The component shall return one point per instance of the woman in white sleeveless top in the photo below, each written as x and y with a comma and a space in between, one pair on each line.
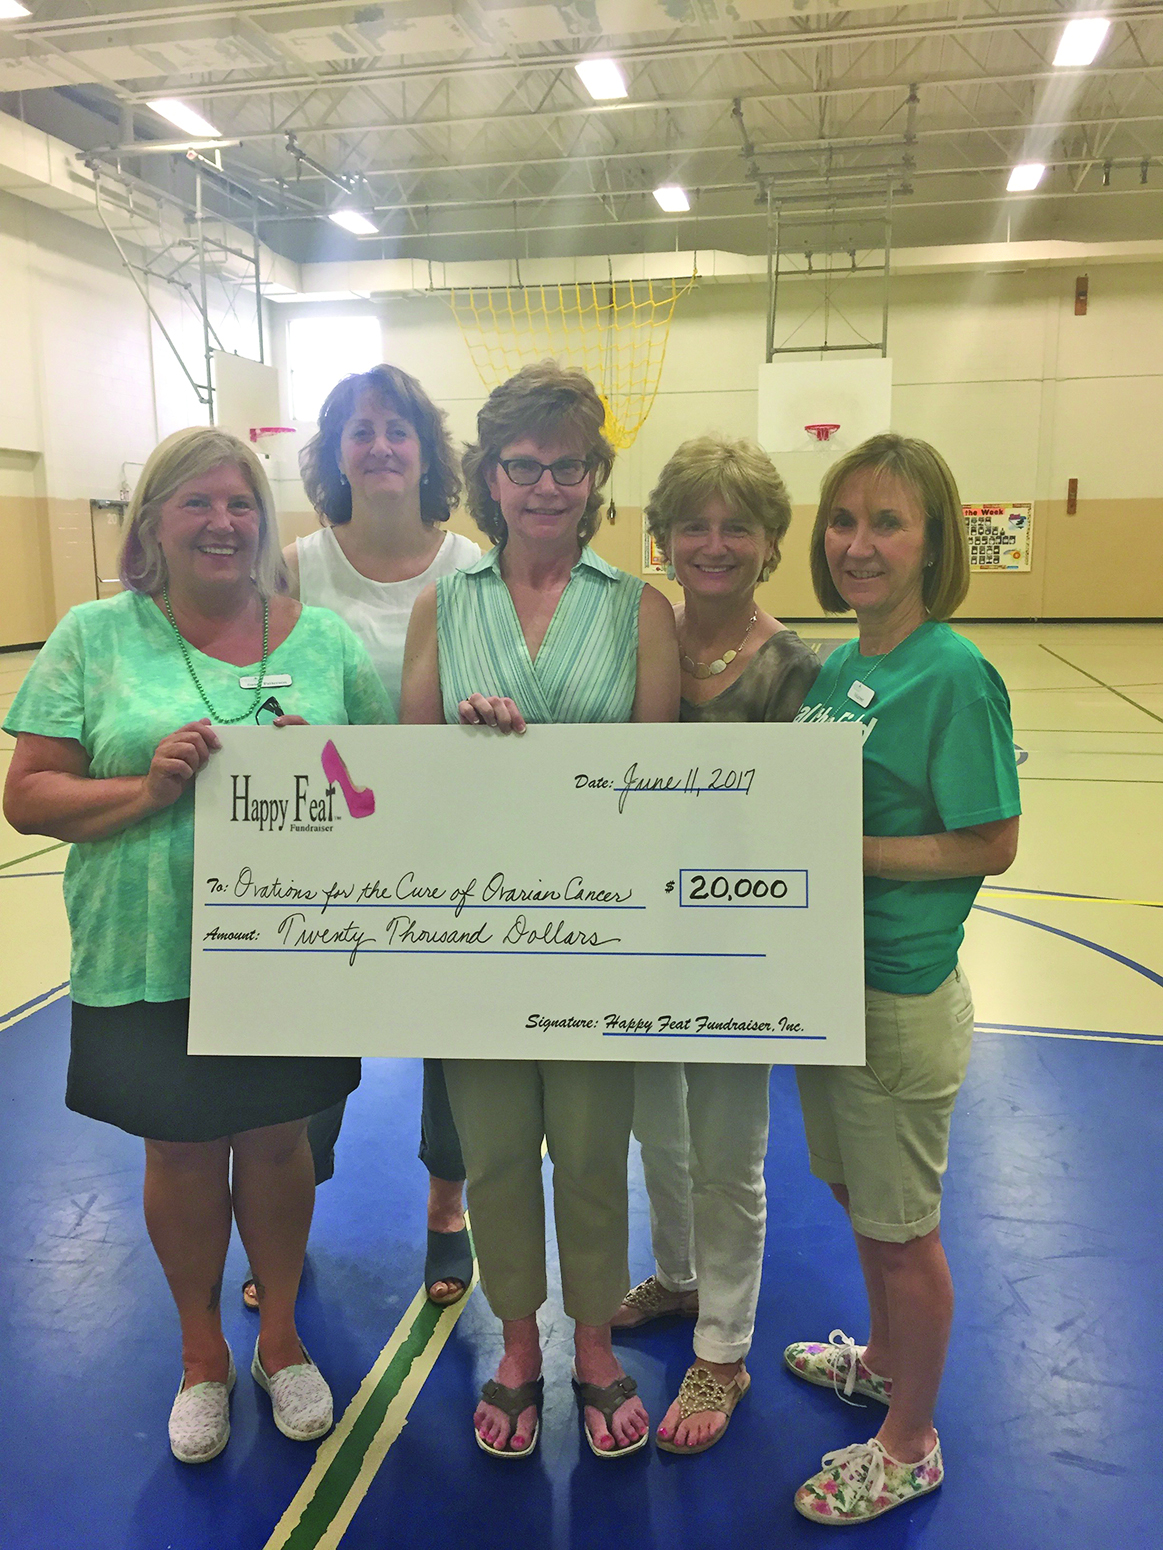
381, 473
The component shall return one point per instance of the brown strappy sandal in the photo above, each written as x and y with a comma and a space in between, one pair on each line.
511, 1402
607, 1400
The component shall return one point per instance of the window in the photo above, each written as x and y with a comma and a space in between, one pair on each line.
323, 348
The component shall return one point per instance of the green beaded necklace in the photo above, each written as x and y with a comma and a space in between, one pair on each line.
225, 721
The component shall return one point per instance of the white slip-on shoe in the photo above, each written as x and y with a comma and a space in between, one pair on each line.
300, 1398
200, 1419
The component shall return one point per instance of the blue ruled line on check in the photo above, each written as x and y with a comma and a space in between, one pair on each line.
407, 907
470, 952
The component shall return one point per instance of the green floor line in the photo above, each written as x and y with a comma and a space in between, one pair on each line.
32, 855
343, 1470
1108, 687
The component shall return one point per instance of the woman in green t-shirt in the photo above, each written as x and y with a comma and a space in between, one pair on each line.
98, 763
940, 813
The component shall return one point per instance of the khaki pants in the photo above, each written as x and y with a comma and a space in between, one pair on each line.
882, 1129
583, 1109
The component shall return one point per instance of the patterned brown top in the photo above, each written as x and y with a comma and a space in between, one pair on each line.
770, 688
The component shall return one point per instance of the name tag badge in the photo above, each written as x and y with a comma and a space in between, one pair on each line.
271, 681
859, 692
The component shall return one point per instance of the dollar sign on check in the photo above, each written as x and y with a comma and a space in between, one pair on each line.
670, 887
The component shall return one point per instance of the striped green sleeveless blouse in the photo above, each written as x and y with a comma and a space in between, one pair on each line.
587, 666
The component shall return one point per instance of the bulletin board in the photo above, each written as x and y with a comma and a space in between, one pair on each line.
1000, 535
653, 559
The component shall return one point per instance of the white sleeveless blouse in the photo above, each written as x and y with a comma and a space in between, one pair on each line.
378, 611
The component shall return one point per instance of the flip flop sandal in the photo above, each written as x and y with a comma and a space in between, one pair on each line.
607, 1400
700, 1391
449, 1258
511, 1402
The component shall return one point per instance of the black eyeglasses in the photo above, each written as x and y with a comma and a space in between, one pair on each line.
527, 470
267, 711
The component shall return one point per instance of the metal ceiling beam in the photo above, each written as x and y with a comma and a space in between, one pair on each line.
752, 213
792, 185
662, 105
220, 10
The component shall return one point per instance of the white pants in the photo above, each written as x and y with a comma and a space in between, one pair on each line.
703, 1132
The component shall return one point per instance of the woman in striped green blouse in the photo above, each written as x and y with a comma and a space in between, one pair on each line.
543, 630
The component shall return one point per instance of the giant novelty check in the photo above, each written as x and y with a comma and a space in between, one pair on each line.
677, 892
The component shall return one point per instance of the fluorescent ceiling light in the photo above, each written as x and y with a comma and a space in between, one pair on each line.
185, 118
1025, 177
354, 222
1081, 41
602, 78
671, 198
11, 9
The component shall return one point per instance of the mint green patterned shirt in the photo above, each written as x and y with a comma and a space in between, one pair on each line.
111, 677
586, 668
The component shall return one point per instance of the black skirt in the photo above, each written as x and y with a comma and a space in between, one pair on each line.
128, 1066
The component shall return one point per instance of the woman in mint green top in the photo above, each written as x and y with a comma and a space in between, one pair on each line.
542, 630
940, 813
98, 762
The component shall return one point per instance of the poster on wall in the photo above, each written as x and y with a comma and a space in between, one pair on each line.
999, 535
653, 559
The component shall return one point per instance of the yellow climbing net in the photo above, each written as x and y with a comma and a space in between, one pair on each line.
616, 331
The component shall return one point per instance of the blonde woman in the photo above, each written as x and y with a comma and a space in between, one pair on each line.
941, 812
719, 512
113, 723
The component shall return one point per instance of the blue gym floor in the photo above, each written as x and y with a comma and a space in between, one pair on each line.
1048, 1414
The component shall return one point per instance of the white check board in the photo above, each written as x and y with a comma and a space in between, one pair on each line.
676, 892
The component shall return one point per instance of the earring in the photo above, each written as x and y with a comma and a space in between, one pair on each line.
424, 479
669, 571
342, 477
765, 573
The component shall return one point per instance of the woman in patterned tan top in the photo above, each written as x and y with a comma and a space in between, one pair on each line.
719, 512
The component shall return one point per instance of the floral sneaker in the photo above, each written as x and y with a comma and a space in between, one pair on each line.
838, 1365
858, 1483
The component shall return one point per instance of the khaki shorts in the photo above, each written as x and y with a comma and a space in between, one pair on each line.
882, 1129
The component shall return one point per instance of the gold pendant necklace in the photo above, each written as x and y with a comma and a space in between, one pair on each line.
720, 664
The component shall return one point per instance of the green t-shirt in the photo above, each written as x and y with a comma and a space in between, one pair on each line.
938, 755
111, 677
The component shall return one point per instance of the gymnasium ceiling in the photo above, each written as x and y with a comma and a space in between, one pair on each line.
464, 128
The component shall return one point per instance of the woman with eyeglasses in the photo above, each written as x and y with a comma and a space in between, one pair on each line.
543, 630
382, 476
113, 723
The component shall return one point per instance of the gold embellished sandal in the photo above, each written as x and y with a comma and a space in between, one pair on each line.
651, 1300
700, 1390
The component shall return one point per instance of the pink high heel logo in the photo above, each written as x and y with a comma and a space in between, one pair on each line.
361, 800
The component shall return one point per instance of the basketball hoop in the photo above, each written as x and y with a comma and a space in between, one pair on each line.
822, 432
